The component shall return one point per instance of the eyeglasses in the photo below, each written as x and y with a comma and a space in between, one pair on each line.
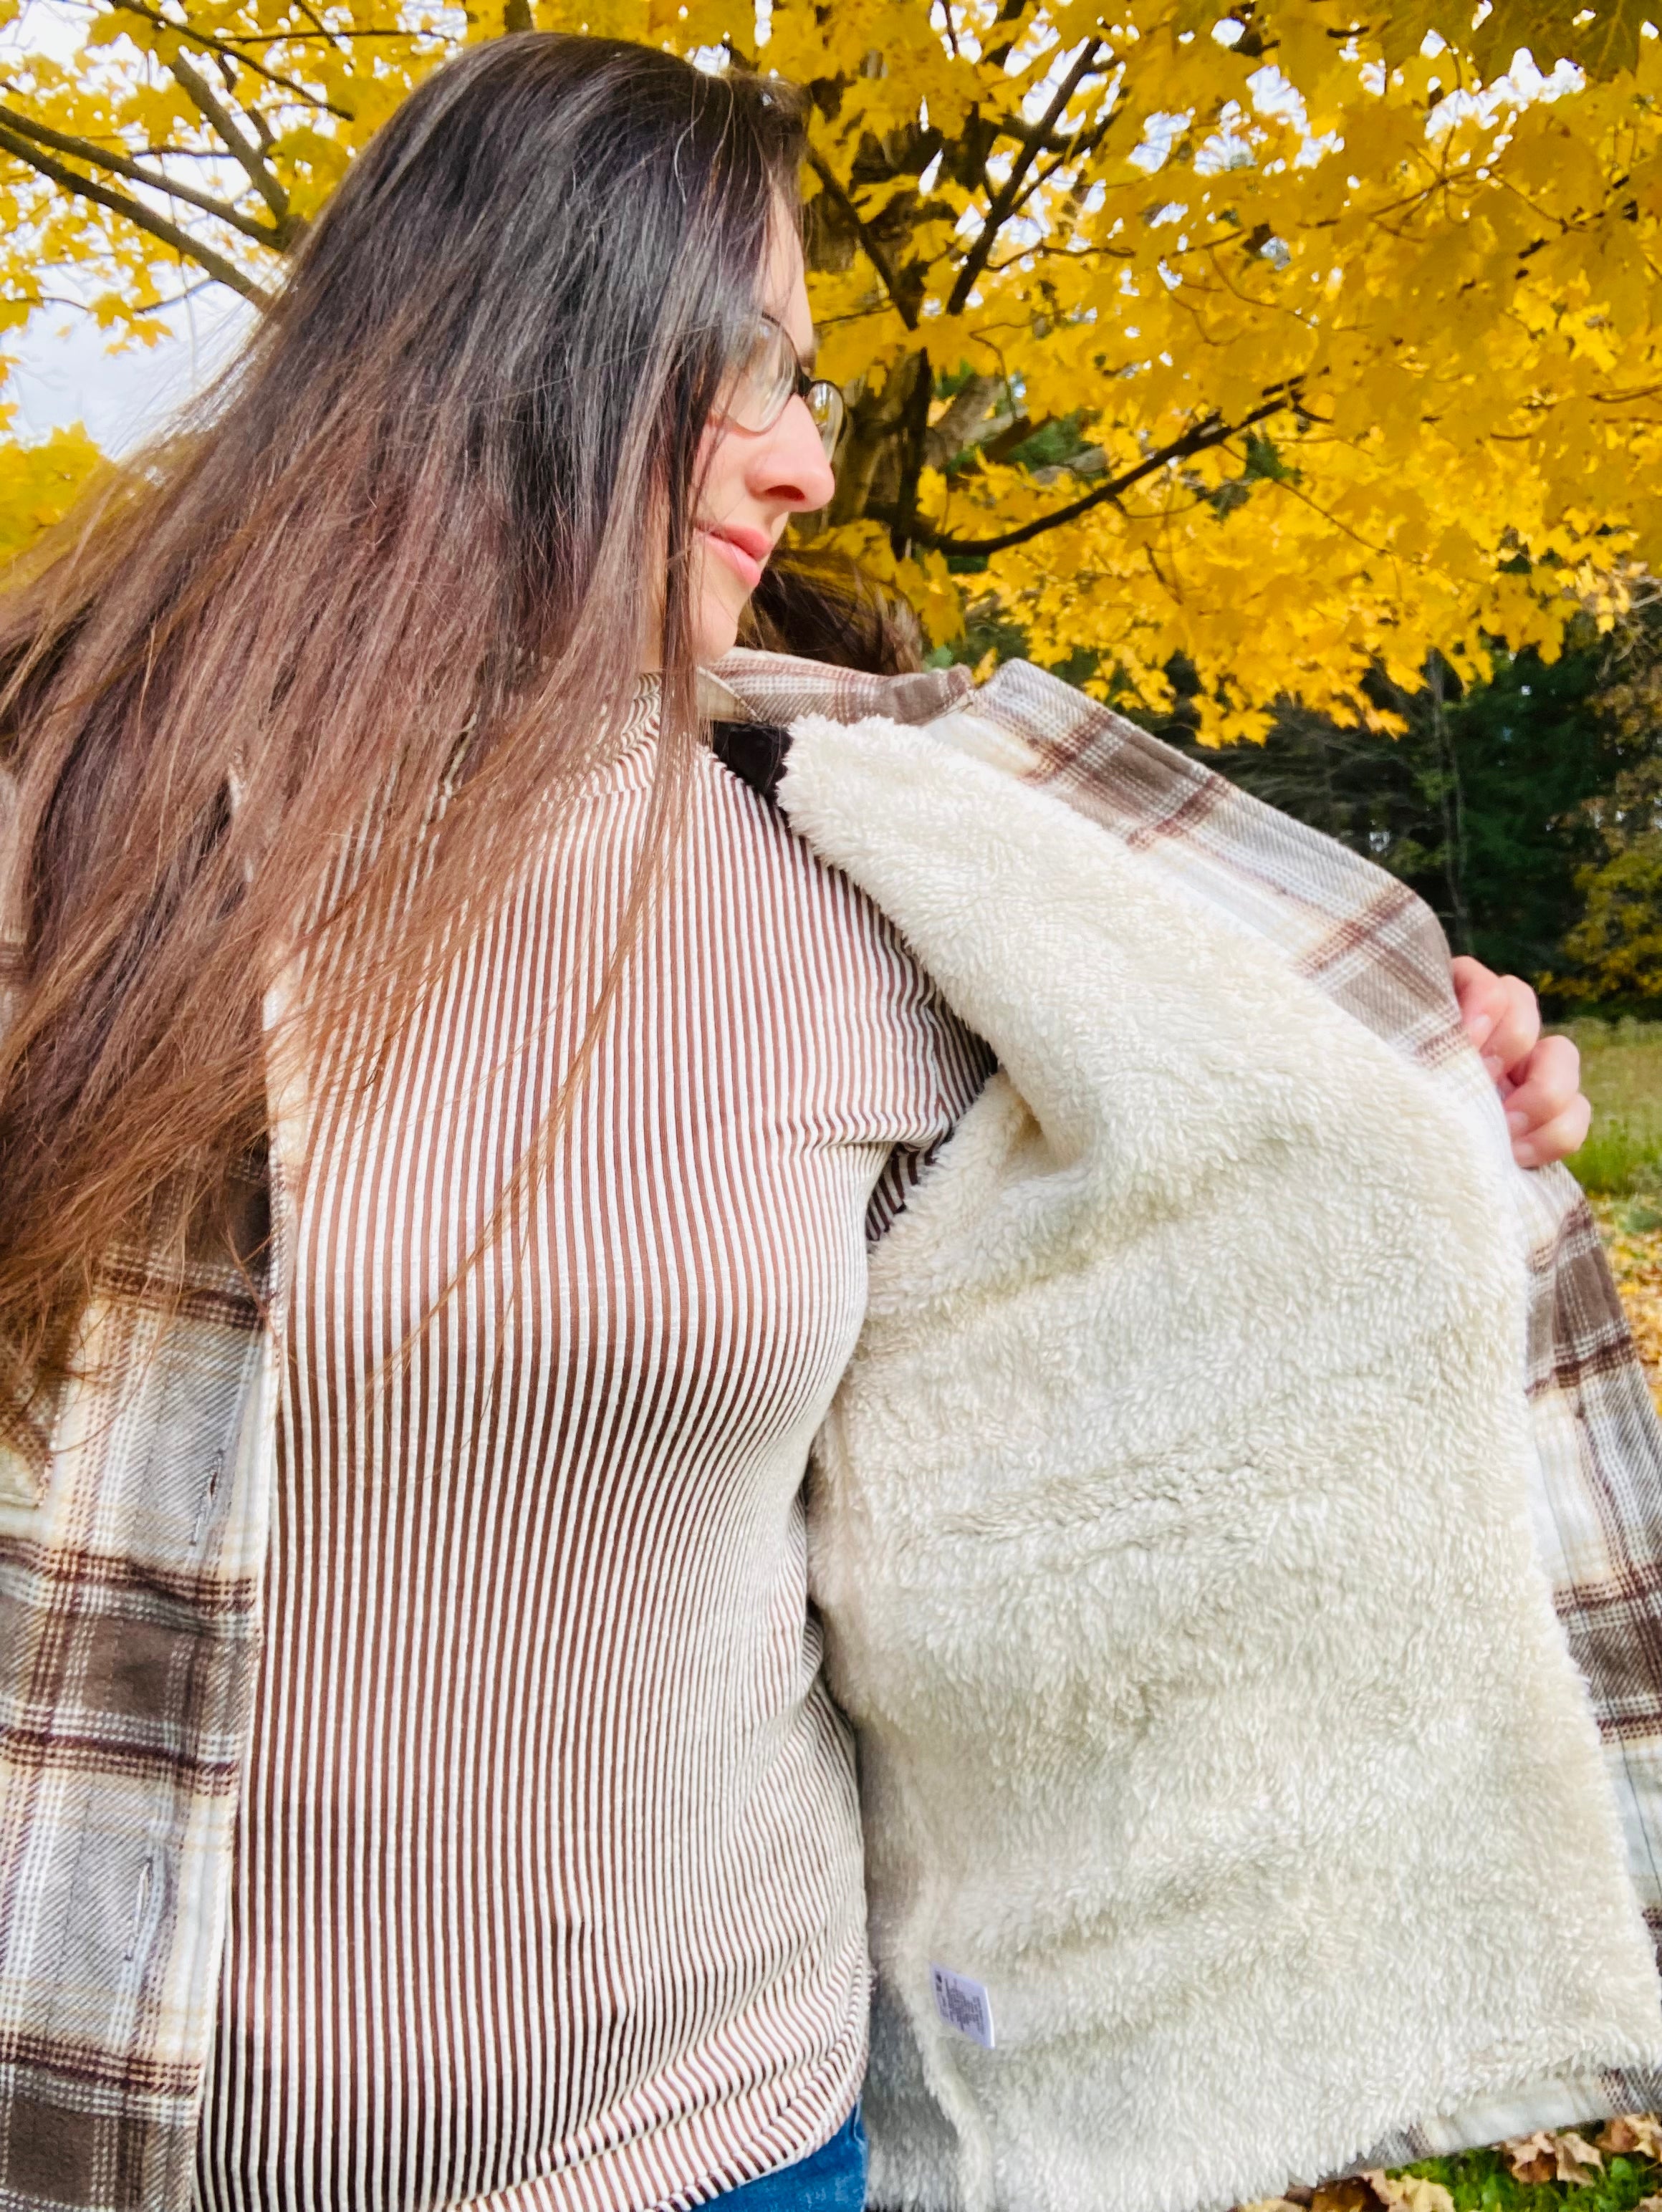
768, 377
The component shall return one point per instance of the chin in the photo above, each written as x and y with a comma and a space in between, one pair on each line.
717, 633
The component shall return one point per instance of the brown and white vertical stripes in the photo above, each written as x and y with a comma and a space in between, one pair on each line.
547, 1885
131, 1567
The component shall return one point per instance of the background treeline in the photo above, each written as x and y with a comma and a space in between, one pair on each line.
1527, 811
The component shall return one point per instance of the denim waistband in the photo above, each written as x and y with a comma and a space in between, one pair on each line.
830, 2179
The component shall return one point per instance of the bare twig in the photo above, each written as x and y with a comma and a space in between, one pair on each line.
304, 37
161, 307
874, 249
134, 211
1200, 440
1005, 199
122, 165
233, 52
246, 150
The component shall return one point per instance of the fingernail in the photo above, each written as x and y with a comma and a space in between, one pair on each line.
1524, 1155
1481, 1030
1494, 1064
1517, 1123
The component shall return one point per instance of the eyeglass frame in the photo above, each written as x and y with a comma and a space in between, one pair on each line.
801, 386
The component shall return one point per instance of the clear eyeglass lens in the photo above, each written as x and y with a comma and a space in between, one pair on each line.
761, 389
763, 386
826, 405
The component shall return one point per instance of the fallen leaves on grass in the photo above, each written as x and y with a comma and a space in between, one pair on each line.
1560, 2170
1549, 2155
1373, 2190
1352, 2192
1633, 2135
1406, 2192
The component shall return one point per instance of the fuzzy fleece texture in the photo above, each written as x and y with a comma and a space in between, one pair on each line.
1171, 1530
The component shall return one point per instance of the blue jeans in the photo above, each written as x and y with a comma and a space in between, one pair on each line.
830, 2179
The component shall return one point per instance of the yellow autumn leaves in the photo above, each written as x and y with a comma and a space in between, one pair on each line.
1332, 331
40, 484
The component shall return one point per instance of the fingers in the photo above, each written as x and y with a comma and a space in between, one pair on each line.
1478, 990
1517, 1034
1546, 1113
1555, 1140
1500, 1014
1539, 1079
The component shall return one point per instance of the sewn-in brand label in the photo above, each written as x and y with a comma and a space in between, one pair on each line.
962, 2004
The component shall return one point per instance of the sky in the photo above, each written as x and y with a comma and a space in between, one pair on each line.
66, 371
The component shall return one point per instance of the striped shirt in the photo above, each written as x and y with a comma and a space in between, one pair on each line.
547, 1888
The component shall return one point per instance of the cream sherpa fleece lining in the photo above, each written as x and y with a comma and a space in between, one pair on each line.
1172, 1531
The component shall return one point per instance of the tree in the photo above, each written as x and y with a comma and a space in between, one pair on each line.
40, 484
1292, 339
1612, 957
1489, 801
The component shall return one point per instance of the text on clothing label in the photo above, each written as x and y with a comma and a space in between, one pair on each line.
964, 2005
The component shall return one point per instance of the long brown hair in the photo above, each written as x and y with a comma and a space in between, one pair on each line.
400, 553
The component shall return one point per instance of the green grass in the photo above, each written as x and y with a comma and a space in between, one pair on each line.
1621, 1073
1479, 2181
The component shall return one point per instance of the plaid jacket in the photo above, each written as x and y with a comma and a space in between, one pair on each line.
131, 1553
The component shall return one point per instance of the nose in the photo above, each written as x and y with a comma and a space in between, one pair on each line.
789, 465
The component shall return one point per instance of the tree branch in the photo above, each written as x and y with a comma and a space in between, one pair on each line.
246, 151
1068, 153
161, 306
302, 37
122, 165
133, 211
1079, 148
959, 419
996, 213
1200, 440
1028, 134
915, 428
873, 251
231, 52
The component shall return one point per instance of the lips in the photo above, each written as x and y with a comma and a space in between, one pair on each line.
745, 549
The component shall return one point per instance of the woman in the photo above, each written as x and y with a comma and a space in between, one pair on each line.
360, 801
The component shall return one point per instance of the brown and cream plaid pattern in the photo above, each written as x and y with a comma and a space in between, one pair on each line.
129, 1624
1376, 949
130, 1575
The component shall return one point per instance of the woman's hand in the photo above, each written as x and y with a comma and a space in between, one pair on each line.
1539, 1079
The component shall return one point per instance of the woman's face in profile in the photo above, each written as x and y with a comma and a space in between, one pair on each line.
755, 480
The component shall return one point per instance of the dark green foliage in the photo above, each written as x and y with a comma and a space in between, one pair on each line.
1478, 804
1520, 757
